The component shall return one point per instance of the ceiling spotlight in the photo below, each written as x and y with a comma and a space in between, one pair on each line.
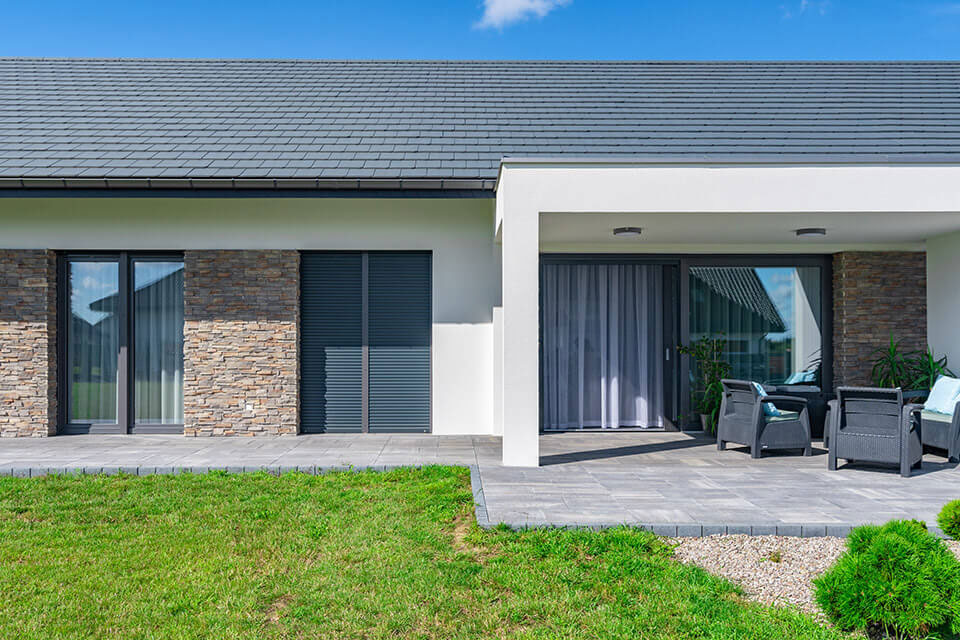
808, 233
627, 231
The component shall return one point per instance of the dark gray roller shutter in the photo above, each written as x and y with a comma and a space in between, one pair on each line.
331, 342
400, 324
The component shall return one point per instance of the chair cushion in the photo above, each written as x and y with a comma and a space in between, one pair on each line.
801, 376
768, 408
784, 416
936, 417
943, 396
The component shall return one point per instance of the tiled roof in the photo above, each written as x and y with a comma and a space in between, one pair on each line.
233, 119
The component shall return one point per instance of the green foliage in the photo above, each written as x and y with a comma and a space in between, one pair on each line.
949, 519
928, 368
894, 581
893, 367
393, 555
711, 368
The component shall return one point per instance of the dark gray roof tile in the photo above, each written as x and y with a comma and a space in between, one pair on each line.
387, 119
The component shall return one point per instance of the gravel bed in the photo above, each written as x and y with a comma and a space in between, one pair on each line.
774, 570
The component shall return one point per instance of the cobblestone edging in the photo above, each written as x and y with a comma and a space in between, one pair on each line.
671, 530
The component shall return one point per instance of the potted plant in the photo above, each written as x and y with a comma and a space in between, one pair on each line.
913, 371
711, 368
893, 367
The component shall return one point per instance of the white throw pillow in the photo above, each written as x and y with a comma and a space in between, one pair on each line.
944, 395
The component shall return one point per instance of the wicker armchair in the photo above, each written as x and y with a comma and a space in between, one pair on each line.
940, 431
743, 421
873, 425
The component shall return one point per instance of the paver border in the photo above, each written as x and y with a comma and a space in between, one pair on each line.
671, 530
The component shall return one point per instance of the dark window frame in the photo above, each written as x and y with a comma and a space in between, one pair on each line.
126, 423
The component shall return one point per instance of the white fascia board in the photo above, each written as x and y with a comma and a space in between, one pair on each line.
632, 187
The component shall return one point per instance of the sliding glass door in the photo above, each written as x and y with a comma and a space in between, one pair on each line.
610, 324
157, 309
769, 317
123, 353
607, 335
93, 339
772, 314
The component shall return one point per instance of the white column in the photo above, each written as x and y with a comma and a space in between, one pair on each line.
943, 297
521, 352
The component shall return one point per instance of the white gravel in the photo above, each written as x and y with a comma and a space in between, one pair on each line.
773, 570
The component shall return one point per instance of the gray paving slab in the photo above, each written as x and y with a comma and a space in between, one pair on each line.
661, 481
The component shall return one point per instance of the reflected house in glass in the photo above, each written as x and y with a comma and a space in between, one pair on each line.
157, 339
769, 316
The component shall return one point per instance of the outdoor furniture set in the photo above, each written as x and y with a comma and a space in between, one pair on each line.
860, 424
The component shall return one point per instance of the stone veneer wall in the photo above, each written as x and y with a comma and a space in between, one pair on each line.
875, 294
28, 343
241, 323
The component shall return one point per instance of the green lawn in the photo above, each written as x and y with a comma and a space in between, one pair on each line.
347, 555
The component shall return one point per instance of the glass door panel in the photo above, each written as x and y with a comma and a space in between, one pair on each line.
770, 317
605, 334
93, 339
157, 307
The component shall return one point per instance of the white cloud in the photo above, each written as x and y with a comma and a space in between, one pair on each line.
498, 14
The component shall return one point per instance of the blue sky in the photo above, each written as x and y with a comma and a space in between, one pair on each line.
486, 29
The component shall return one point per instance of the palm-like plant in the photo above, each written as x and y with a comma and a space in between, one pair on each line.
928, 368
712, 368
917, 370
893, 366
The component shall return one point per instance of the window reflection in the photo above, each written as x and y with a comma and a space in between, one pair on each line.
770, 317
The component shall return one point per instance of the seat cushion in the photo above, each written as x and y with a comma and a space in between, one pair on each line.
943, 396
784, 416
936, 417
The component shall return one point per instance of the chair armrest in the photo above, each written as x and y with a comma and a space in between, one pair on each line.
911, 416
800, 404
832, 426
955, 423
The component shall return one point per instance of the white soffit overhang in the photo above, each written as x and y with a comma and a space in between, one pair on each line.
683, 205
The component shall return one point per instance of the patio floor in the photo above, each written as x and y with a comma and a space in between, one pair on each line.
673, 483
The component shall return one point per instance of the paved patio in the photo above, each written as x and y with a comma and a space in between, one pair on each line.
672, 483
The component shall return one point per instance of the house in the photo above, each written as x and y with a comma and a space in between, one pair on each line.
243, 247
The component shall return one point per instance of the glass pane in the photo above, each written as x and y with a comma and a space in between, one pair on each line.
770, 318
158, 342
92, 341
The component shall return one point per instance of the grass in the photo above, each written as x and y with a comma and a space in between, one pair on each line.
346, 555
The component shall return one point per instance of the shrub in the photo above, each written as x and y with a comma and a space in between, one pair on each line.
949, 519
895, 581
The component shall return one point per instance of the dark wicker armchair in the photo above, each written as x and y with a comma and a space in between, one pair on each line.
742, 420
873, 425
940, 431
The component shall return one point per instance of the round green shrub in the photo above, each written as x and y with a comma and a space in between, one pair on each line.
949, 519
894, 581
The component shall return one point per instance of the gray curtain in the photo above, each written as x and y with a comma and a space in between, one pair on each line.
158, 342
602, 346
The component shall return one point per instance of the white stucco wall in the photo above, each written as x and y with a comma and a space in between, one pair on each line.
466, 262
943, 296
